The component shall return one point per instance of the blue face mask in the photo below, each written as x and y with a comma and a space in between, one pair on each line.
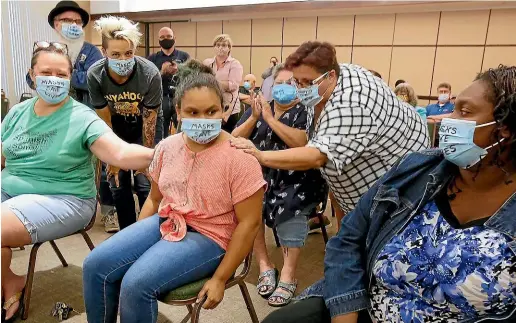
309, 96
456, 141
52, 89
71, 31
247, 86
443, 98
122, 67
202, 131
284, 93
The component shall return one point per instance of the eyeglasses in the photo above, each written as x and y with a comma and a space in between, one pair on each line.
223, 45
71, 21
40, 45
306, 84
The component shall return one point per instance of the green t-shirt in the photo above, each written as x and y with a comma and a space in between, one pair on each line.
50, 155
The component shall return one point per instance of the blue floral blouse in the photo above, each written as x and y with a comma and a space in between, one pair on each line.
433, 272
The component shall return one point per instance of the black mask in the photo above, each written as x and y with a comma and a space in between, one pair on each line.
167, 43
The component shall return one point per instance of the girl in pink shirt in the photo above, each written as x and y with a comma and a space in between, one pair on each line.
200, 219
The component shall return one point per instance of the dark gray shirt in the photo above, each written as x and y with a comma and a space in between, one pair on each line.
126, 101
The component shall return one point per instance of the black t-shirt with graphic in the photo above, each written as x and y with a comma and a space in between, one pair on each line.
126, 101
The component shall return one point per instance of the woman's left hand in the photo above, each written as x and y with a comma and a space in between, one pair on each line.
247, 146
213, 290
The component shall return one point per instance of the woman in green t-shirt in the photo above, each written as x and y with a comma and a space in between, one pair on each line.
48, 178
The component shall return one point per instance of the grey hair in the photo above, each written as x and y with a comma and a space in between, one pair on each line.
278, 68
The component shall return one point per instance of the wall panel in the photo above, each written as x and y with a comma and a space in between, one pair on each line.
463, 27
298, 30
375, 58
337, 30
502, 27
414, 65
243, 54
457, 66
260, 60
374, 29
185, 33
416, 28
154, 30
267, 31
206, 32
495, 56
239, 30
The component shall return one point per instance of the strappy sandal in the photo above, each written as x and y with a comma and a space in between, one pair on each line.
269, 280
278, 298
18, 297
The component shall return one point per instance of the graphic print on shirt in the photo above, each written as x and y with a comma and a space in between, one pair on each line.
28, 144
125, 104
431, 272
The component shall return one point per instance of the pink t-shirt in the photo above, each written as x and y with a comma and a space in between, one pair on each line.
231, 71
201, 189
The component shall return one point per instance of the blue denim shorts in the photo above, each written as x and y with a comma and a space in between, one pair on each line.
50, 217
293, 232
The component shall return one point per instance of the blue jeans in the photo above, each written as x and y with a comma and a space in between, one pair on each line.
135, 267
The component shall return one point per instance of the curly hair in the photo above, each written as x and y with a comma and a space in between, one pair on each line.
501, 92
194, 75
408, 90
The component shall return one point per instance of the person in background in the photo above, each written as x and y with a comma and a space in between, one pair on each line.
406, 93
398, 82
248, 88
433, 240
188, 230
291, 196
228, 72
444, 106
354, 137
166, 60
126, 91
270, 70
68, 20
48, 174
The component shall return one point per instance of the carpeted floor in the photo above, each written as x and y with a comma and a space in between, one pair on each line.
54, 283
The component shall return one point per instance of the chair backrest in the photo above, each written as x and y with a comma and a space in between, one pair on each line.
98, 173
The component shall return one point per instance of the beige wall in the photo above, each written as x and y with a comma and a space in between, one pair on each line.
422, 48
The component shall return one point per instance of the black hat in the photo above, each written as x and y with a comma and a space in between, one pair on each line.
63, 6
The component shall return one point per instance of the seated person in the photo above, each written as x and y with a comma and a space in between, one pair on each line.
126, 91
48, 176
188, 229
248, 88
433, 240
444, 107
291, 196
405, 92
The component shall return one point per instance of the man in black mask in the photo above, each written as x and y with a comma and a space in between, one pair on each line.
167, 60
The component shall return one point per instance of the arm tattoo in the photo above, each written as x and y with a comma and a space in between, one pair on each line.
149, 126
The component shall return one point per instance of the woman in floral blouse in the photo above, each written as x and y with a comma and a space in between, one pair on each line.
434, 240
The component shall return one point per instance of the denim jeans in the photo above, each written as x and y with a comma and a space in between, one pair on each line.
123, 195
135, 267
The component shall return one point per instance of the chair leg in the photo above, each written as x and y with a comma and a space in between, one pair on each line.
58, 253
320, 216
189, 315
88, 240
196, 312
248, 301
276, 237
30, 279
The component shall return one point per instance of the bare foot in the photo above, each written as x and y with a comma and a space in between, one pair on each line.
14, 285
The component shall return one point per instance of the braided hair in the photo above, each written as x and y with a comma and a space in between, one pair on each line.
501, 92
195, 75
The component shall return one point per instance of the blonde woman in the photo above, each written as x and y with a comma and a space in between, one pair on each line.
405, 92
228, 72
126, 90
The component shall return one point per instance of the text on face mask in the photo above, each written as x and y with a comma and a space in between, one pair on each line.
205, 126
53, 82
448, 130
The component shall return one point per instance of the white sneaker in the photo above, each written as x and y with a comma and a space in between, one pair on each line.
111, 222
